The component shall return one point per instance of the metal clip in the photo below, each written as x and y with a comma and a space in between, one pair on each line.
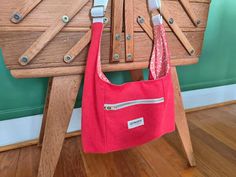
98, 11
154, 5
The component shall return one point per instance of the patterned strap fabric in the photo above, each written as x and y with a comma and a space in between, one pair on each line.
159, 64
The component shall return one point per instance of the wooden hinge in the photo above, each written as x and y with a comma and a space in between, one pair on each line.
176, 29
187, 7
50, 33
129, 30
21, 12
145, 26
116, 31
80, 45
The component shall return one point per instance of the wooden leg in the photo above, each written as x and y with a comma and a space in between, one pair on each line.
45, 113
181, 121
61, 102
136, 75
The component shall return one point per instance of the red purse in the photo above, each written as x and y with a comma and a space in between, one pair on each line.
117, 117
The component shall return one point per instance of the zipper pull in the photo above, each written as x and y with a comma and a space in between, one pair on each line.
109, 108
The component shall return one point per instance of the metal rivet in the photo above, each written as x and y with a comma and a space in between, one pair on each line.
198, 22
141, 20
171, 21
105, 20
128, 37
117, 37
129, 56
116, 56
192, 52
17, 17
24, 59
65, 19
67, 58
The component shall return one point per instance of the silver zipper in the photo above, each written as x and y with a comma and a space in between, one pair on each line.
111, 107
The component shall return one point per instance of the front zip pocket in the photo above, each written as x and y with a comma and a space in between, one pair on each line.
111, 107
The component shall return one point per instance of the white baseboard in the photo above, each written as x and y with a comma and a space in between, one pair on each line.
28, 128
209, 96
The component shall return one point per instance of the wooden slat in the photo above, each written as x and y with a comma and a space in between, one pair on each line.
78, 47
136, 75
21, 12
176, 29
45, 14
116, 30
73, 70
50, 33
145, 26
181, 121
52, 55
61, 103
129, 30
85, 29
46, 104
186, 5
148, 29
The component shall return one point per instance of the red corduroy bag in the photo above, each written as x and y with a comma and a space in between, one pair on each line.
117, 117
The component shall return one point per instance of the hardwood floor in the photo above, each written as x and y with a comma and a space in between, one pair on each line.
213, 134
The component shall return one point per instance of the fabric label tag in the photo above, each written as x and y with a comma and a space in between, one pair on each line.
135, 123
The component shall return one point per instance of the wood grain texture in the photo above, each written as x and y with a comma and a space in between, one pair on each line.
187, 7
29, 158
21, 36
45, 112
71, 161
181, 120
52, 55
50, 33
78, 47
170, 19
61, 103
147, 28
137, 75
73, 70
160, 158
129, 30
48, 10
116, 30
8, 163
22, 11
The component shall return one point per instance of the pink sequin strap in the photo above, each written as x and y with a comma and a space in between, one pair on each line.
160, 59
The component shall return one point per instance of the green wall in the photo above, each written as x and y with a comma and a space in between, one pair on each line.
217, 62
24, 97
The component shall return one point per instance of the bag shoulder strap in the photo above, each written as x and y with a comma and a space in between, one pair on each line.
159, 64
